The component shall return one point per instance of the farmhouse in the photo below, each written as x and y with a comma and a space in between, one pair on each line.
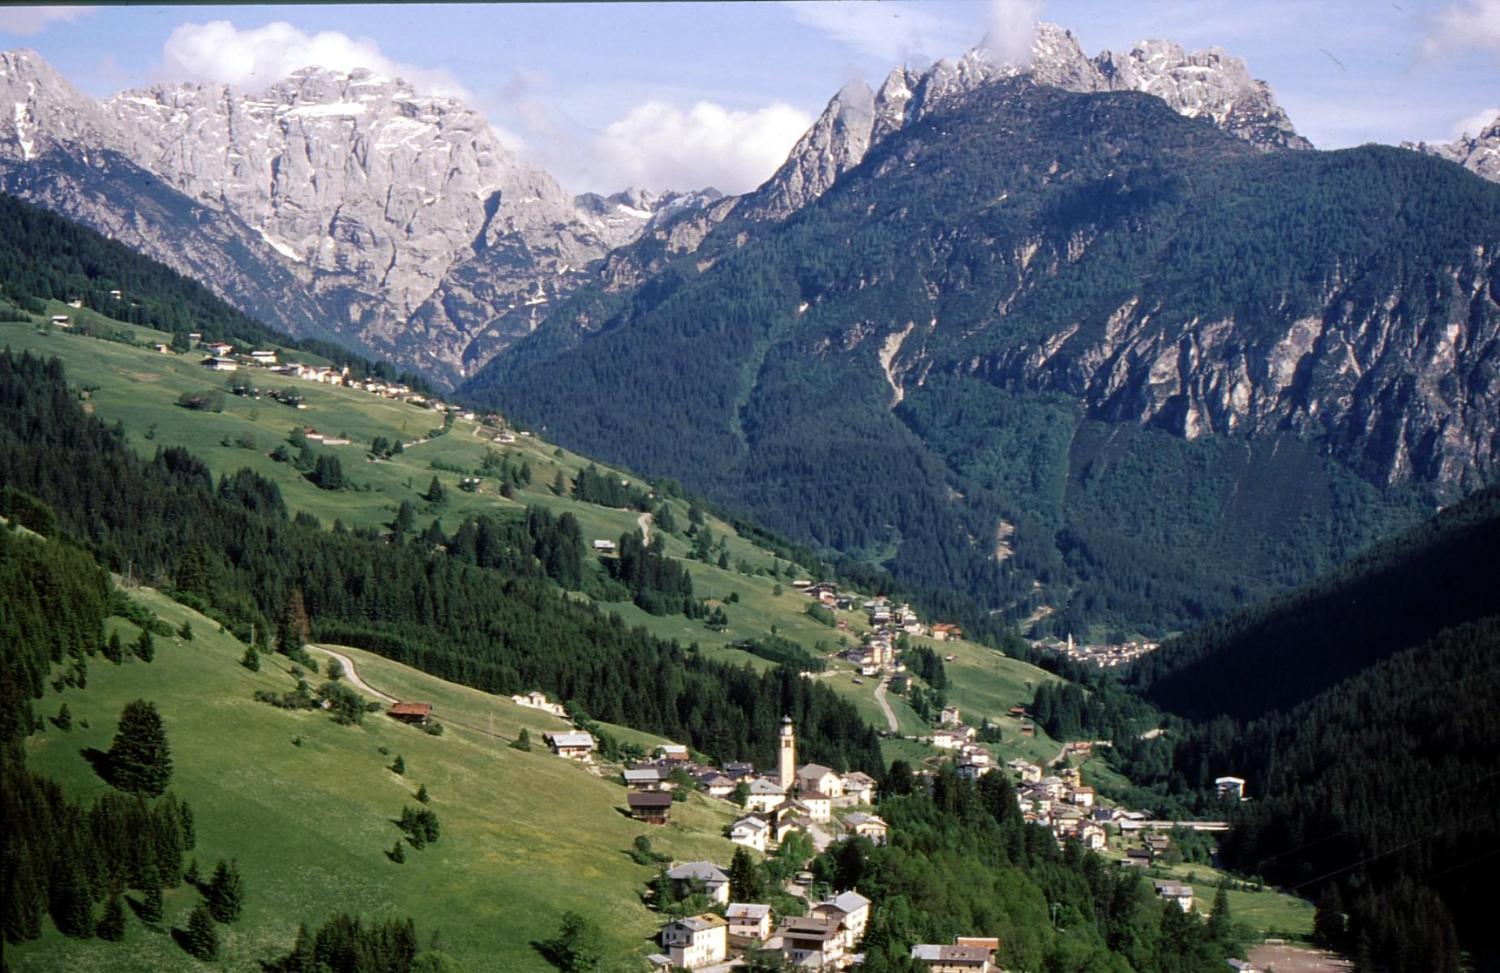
673, 753
696, 941
216, 364
646, 779
604, 547
716, 784
573, 745
710, 876
651, 807
61, 320
417, 713
1176, 892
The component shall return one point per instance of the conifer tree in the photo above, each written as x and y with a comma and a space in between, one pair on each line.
226, 892
744, 878
111, 926
139, 760
202, 938
1220, 924
64, 719
422, 794
114, 649
189, 827
522, 741
435, 492
398, 853
251, 659
152, 905
185, 631
145, 646
399, 765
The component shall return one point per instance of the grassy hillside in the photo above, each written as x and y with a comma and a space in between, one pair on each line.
308, 808
139, 387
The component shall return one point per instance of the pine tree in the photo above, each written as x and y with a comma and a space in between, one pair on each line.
185, 631
398, 853
114, 649
744, 878
251, 659
435, 492
145, 646
579, 945
111, 926
192, 875
202, 938
64, 719
226, 892
422, 794
406, 518
139, 760
291, 630
152, 905
399, 765
1220, 924
522, 741
189, 827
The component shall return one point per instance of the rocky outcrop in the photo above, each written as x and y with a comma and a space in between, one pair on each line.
1479, 154
401, 217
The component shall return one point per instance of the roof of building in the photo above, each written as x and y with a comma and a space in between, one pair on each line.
697, 871
858, 777
644, 774
699, 923
813, 770
575, 738
410, 709
932, 953
747, 910
809, 927
752, 823
860, 819
648, 800
845, 902
761, 785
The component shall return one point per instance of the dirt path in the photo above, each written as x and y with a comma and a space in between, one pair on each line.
1286, 958
644, 522
352, 676
890, 715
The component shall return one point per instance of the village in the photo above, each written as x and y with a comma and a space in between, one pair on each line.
1103, 655
827, 806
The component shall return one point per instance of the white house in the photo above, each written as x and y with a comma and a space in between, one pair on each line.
816, 777
573, 745
860, 786
851, 909
867, 826
695, 941
1230, 788
749, 922
750, 831
1176, 892
764, 795
715, 882
819, 805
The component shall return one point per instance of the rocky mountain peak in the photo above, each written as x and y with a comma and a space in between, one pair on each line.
1479, 154
1203, 84
46, 109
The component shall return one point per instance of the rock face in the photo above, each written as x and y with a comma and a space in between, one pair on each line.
406, 223
1202, 84
1479, 154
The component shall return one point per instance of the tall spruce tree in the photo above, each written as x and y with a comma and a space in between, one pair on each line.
226, 892
202, 939
139, 760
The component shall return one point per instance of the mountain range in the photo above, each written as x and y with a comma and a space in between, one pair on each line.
1094, 339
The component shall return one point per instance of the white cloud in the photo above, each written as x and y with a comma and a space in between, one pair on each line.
219, 51
892, 33
659, 146
1476, 123
1013, 29
1463, 26
30, 21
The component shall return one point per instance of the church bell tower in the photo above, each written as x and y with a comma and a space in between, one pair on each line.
786, 763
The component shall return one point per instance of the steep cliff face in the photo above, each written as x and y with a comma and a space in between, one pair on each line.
400, 218
1479, 154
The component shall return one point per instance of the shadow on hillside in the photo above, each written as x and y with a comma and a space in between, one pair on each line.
99, 760
549, 952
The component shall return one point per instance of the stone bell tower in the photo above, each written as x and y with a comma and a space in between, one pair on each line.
786, 758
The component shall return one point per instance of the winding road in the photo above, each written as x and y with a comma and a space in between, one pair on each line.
351, 675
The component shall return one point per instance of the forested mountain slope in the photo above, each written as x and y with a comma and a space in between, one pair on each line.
1362, 718
1033, 304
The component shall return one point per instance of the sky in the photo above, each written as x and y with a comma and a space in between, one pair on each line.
686, 95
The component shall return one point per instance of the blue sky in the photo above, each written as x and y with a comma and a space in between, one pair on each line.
679, 95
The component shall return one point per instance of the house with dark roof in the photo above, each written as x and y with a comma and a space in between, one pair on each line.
709, 876
652, 807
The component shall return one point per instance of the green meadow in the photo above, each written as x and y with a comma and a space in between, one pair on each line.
308, 809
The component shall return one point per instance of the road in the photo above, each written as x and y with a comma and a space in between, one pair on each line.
352, 676
890, 716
